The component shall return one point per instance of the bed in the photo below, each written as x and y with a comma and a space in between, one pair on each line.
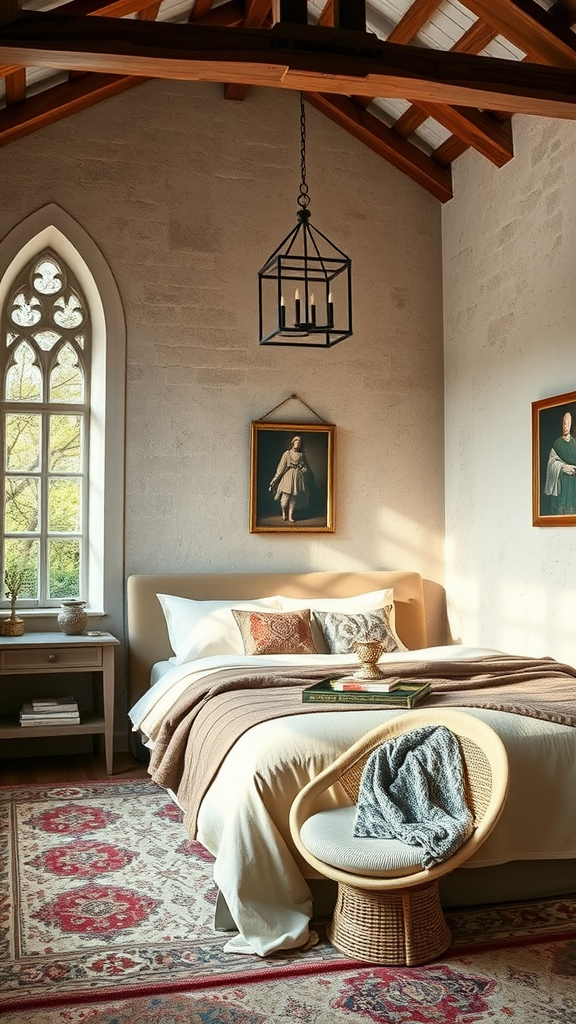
232, 741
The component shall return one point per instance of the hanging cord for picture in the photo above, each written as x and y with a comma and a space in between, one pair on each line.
290, 399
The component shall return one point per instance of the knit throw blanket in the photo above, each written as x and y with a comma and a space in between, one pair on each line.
412, 789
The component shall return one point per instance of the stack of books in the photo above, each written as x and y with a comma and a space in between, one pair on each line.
401, 693
50, 711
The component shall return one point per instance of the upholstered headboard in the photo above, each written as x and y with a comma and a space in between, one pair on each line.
148, 637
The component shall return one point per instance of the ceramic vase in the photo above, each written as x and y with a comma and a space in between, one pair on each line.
72, 618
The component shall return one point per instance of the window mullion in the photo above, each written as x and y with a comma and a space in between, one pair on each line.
43, 531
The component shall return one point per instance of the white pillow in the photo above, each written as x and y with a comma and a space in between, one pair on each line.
344, 606
199, 629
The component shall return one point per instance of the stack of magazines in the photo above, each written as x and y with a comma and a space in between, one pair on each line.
50, 711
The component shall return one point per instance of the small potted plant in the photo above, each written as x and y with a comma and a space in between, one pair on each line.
14, 583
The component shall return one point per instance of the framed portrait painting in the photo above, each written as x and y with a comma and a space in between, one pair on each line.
554, 461
291, 478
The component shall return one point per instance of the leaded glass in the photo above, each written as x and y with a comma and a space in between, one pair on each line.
68, 313
46, 339
26, 312
48, 277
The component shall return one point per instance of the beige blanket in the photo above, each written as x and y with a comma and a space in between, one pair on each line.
212, 714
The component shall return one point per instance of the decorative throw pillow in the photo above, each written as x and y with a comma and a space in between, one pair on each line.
203, 629
275, 632
354, 605
342, 631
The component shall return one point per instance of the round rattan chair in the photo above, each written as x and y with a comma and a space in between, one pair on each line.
388, 907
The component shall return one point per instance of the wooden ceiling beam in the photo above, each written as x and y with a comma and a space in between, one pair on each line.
564, 12
228, 15
91, 8
454, 147
15, 87
60, 101
350, 14
417, 15
297, 57
473, 41
491, 138
257, 14
201, 9
290, 12
150, 13
450, 150
79, 8
532, 29
327, 14
10, 10
373, 133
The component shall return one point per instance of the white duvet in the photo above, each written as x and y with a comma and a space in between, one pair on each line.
243, 818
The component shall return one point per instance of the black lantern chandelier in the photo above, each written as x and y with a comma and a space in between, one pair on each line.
305, 290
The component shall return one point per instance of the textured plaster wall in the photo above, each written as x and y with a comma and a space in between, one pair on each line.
509, 245
186, 195
228, 178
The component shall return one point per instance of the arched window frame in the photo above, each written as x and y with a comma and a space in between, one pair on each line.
46, 320
52, 229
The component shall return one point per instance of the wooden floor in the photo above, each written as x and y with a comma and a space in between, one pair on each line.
67, 768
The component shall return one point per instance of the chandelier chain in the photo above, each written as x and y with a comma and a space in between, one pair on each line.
303, 198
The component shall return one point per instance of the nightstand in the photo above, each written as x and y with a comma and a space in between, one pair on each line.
44, 654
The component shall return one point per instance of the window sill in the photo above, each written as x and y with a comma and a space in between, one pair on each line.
45, 613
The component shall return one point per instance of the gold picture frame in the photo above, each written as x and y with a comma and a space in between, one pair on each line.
300, 456
554, 461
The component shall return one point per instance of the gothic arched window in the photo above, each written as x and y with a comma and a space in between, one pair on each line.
45, 360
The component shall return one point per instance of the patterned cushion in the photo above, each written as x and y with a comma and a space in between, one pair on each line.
275, 632
342, 631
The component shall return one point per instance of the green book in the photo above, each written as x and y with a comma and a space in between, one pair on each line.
405, 696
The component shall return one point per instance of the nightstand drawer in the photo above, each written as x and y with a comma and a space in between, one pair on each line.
47, 658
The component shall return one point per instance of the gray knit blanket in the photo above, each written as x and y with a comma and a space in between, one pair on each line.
412, 789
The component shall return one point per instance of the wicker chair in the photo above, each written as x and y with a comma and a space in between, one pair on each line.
388, 908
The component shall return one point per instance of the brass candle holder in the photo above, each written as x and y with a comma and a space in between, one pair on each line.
369, 653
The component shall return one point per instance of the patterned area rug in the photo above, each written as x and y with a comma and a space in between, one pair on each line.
106, 917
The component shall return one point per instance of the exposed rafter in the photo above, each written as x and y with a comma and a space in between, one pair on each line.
369, 130
295, 58
257, 13
341, 69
